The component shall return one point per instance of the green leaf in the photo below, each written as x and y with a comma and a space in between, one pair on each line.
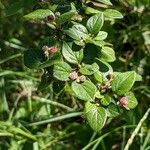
107, 54
98, 95
106, 100
132, 100
102, 35
85, 91
77, 32
74, 57
107, 2
96, 116
90, 10
114, 14
123, 82
98, 76
53, 60
89, 69
62, 71
95, 23
112, 110
39, 14
65, 17
98, 43
33, 58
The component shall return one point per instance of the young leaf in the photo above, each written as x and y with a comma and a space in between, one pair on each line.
98, 95
74, 57
66, 17
85, 91
77, 32
98, 76
132, 100
96, 116
123, 82
111, 13
62, 71
39, 14
95, 23
107, 54
89, 69
102, 35
106, 100
90, 10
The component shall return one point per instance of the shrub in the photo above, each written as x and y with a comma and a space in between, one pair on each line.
77, 57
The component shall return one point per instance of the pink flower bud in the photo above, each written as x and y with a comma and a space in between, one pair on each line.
52, 50
124, 102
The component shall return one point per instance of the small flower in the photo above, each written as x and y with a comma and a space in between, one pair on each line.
73, 75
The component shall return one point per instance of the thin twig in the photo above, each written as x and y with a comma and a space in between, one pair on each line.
135, 132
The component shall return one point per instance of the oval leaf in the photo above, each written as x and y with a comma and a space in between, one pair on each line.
123, 82
95, 115
66, 17
102, 35
77, 32
132, 100
95, 23
89, 69
39, 14
111, 13
98, 76
107, 54
70, 55
106, 100
85, 91
62, 71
